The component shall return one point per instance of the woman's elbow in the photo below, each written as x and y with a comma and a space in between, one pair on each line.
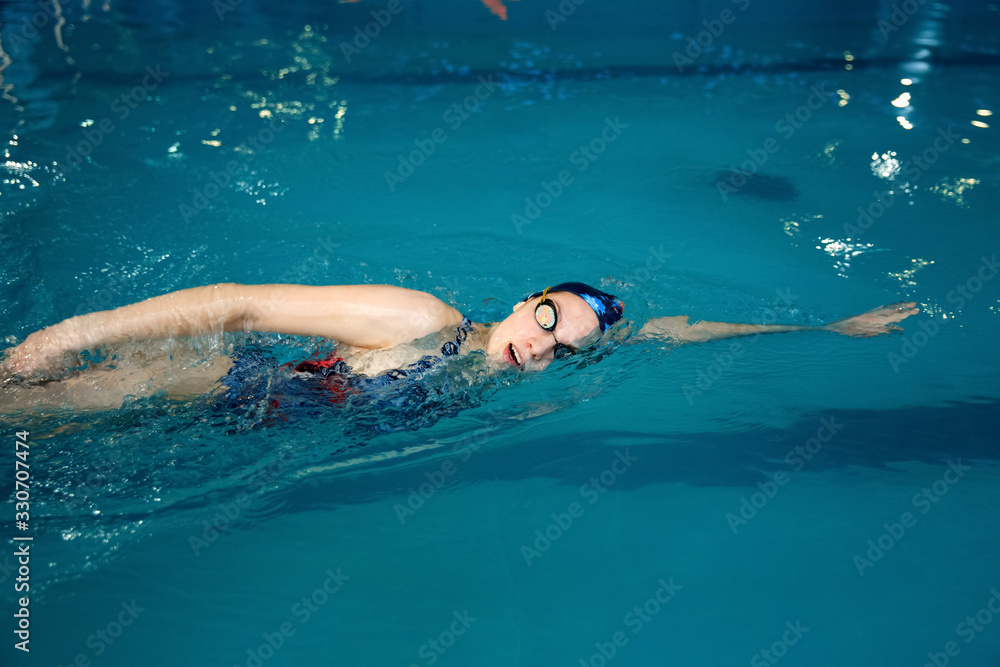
232, 304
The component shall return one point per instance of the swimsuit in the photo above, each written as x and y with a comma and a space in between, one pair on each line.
258, 383
334, 365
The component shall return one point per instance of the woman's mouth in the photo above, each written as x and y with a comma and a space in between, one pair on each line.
513, 357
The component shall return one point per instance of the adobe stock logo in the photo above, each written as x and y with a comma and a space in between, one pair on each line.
779, 648
704, 39
455, 116
963, 293
102, 638
433, 649
593, 491
894, 532
796, 458
901, 13
122, 106
582, 158
786, 126
48, 10
635, 620
381, 18
303, 610
968, 629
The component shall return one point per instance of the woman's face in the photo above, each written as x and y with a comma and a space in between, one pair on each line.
520, 341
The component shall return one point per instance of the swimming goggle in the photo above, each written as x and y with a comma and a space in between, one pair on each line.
545, 315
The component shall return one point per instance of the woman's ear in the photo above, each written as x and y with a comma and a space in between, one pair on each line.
517, 305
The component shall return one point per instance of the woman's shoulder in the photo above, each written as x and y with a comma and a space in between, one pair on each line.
426, 313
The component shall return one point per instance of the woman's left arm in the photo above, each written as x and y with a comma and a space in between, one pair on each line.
875, 322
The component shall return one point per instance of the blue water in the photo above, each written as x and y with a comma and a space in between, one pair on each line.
805, 499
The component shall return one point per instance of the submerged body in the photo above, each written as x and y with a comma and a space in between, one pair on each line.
380, 330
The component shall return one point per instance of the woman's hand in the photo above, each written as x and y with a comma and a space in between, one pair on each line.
875, 322
42, 354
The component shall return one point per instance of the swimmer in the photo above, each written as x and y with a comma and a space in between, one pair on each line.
375, 327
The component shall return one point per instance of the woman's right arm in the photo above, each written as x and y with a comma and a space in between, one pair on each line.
370, 316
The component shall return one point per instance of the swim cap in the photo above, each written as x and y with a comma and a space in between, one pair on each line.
608, 308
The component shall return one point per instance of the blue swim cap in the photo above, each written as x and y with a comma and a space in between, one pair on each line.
608, 308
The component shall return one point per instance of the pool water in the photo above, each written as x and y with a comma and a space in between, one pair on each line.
807, 499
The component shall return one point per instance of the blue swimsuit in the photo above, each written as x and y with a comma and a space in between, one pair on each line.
318, 384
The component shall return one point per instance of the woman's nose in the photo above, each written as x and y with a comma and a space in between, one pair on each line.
541, 344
